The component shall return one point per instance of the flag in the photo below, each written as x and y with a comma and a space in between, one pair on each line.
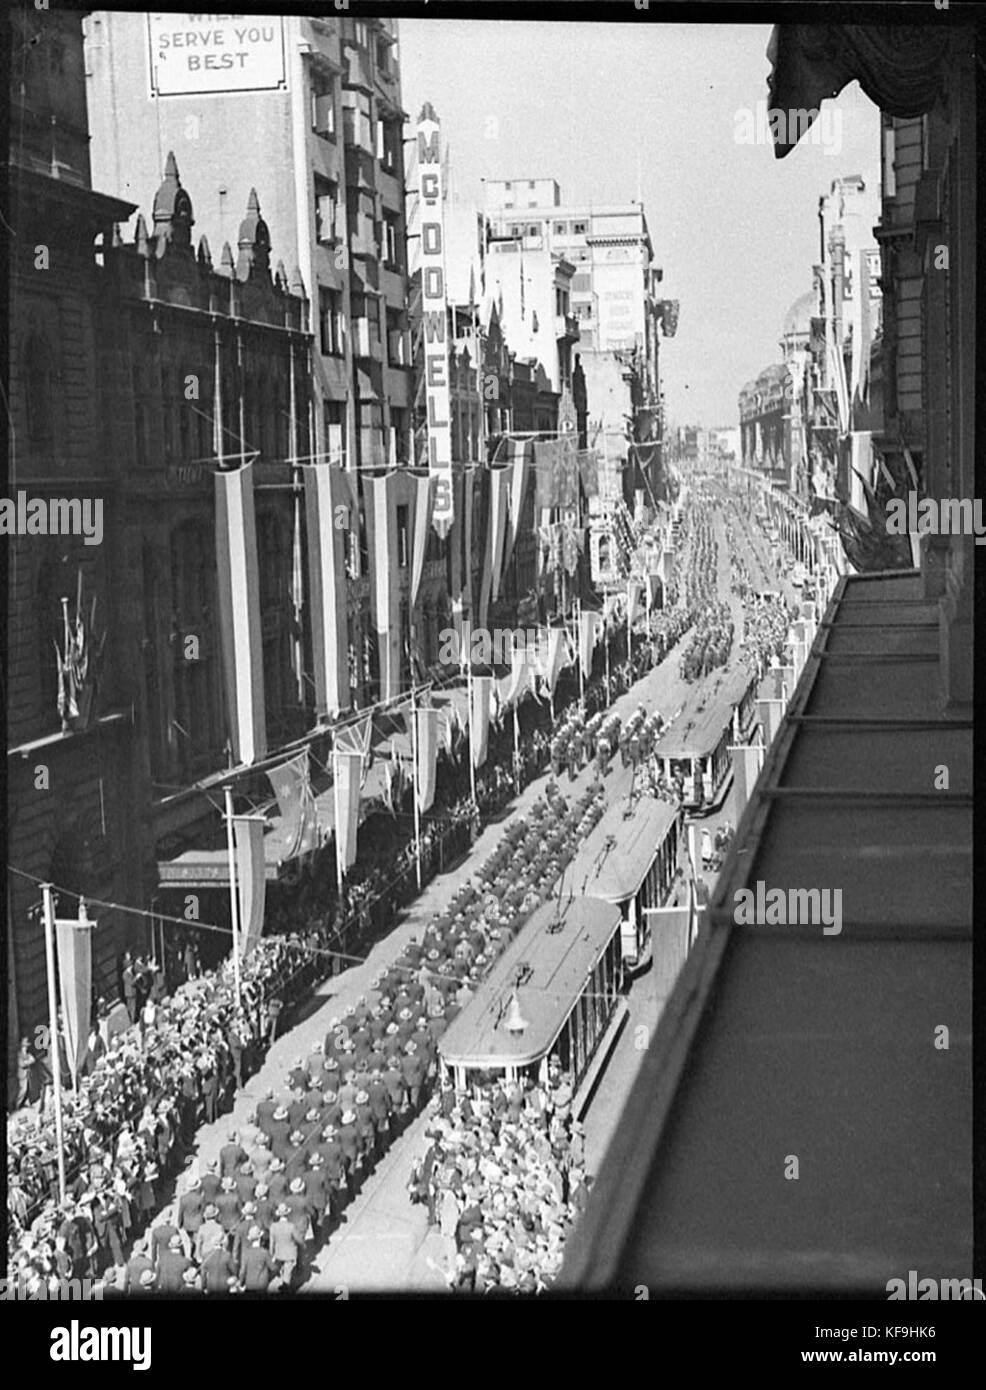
521, 678
551, 657
482, 691
633, 600
239, 612
589, 472
862, 333
556, 468
251, 881
296, 802
421, 506
331, 513
355, 738
73, 940
590, 630
837, 373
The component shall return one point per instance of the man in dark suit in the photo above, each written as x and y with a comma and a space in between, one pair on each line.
190, 1208
265, 1111
217, 1270
231, 1155
257, 1268
138, 1264
210, 1182
228, 1205
171, 1267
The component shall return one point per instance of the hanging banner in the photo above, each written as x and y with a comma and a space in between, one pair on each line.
556, 468
590, 631
331, 514
588, 461
346, 769
427, 720
552, 656
73, 940
380, 499
420, 501
251, 882
239, 613
482, 691
468, 485
634, 590
434, 316
519, 454
493, 551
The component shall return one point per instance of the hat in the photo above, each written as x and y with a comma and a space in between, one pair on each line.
249, 1208
276, 1164
212, 1164
280, 1113
316, 1160
174, 1243
282, 1210
391, 1028
312, 1114
330, 1064
261, 1189
297, 1184
246, 1168
194, 1183
361, 1097
329, 1095
348, 1117
411, 1047
189, 1275
329, 1131
296, 1137
316, 1047
228, 1184
254, 1233
147, 1278
211, 1211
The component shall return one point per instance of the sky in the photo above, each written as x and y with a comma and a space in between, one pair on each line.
606, 109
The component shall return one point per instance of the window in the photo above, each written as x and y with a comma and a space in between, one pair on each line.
326, 194
361, 33
402, 537
330, 325
515, 230
579, 228
508, 186
561, 228
534, 229
395, 339
383, 57
323, 106
389, 145
532, 184
391, 246
334, 419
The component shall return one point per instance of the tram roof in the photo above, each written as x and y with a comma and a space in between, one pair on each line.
698, 728
558, 962
614, 859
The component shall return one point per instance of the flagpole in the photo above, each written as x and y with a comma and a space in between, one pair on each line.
606, 644
234, 906
414, 760
516, 754
629, 640
578, 648
56, 1061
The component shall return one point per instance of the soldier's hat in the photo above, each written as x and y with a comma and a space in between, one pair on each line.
174, 1243
261, 1189
296, 1137
329, 1131
348, 1117
282, 1210
316, 1160
329, 1095
147, 1278
228, 1184
276, 1164
361, 1097
330, 1064
211, 1211
297, 1184
281, 1113
249, 1208
254, 1233
311, 1114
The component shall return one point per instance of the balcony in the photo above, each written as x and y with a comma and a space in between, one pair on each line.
567, 327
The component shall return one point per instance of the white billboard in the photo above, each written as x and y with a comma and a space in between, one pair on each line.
199, 54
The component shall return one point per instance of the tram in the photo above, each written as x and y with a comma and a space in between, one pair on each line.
695, 747
631, 858
553, 993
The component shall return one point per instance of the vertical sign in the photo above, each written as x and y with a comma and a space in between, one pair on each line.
433, 318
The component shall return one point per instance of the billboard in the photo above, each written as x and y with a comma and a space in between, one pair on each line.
202, 54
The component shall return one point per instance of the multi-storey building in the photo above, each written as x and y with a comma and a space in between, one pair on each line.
137, 369
320, 97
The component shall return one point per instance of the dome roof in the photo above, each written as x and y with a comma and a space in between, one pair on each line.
797, 320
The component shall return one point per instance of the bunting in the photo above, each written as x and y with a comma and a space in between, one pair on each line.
553, 655
296, 802
556, 469
239, 612
73, 940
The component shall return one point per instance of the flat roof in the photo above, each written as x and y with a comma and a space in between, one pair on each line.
555, 965
698, 728
614, 858
782, 1043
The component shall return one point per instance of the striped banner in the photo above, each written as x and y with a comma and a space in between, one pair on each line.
482, 694
331, 511
251, 883
427, 757
500, 479
346, 771
380, 497
519, 456
73, 940
239, 613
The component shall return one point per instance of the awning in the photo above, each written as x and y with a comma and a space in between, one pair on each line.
900, 68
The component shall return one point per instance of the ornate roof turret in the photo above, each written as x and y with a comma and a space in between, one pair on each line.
173, 220
254, 241
204, 255
226, 265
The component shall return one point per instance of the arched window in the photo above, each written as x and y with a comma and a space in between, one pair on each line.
38, 382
